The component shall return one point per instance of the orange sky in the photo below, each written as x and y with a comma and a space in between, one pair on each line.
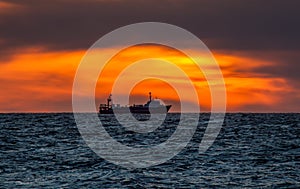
38, 81
256, 46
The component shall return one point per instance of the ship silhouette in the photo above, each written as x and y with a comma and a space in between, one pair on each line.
152, 106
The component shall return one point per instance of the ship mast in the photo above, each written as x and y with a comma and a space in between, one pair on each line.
108, 100
150, 97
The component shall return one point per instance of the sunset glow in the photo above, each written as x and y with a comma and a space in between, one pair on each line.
37, 81
43, 42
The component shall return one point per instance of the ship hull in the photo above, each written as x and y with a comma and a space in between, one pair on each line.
136, 110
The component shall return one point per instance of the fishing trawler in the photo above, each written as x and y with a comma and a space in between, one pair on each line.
152, 106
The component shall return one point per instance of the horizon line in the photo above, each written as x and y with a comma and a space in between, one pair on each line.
206, 112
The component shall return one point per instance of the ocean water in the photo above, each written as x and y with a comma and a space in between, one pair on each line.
251, 151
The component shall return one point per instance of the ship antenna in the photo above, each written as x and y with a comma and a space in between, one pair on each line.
150, 97
109, 100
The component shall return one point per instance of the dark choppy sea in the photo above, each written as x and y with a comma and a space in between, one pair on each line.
251, 151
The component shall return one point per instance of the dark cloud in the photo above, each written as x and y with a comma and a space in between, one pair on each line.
76, 24
282, 64
290, 69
